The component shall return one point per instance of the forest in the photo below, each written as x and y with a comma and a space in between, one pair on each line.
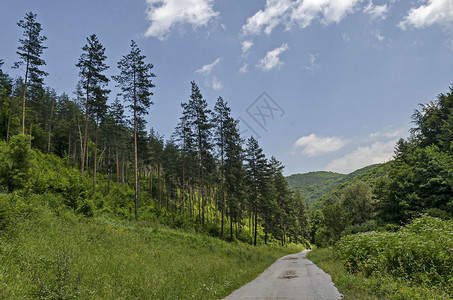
205, 176
89, 162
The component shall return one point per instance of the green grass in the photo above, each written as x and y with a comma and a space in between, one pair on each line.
376, 286
55, 254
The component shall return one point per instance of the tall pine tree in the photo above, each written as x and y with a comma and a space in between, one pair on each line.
30, 53
135, 81
92, 65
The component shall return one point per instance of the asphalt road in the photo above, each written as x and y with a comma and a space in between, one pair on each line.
290, 277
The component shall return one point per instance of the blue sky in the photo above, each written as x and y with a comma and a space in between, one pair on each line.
340, 78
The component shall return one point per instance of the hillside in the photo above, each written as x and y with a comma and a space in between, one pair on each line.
50, 252
314, 185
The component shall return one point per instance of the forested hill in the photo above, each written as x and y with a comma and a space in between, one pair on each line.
314, 185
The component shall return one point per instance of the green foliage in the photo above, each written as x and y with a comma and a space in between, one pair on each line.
357, 286
59, 255
420, 252
314, 185
420, 181
16, 161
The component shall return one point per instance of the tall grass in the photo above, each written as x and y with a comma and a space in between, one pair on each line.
53, 253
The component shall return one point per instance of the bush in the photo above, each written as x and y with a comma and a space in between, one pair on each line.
422, 251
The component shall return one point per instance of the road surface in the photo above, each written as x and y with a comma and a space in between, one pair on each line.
290, 277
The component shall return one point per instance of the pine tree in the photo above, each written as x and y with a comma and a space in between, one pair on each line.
197, 114
184, 138
94, 82
30, 53
257, 179
135, 81
234, 172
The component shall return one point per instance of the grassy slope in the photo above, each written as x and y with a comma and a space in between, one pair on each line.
357, 286
314, 185
55, 254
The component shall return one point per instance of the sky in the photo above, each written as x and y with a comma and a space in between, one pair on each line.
322, 84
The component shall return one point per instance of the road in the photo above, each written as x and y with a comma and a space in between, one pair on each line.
290, 277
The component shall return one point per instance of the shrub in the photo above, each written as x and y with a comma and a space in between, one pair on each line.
422, 251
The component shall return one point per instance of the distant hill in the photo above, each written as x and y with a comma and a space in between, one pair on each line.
315, 185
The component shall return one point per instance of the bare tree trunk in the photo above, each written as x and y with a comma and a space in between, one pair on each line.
117, 168
9, 121
50, 127
85, 139
95, 157
24, 94
159, 185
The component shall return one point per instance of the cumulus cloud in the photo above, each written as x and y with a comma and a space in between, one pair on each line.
434, 12
301, 12
206, 69
313, 145
272, 58
378, 152
165, 14
376, 11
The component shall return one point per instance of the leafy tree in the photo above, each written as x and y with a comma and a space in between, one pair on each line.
356, 202
92, 65
30, 53
135, 81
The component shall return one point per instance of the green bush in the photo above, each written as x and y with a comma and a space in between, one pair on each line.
16, 160
422, 251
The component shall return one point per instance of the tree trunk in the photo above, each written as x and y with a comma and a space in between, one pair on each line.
24, 93
9, 121
256, 226
95, 157
117, 168
135, 152
85, 138
50, 128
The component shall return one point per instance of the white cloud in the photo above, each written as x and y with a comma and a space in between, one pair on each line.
313, 65
378, 35
211, 80
215, 84
314, 146
270, 17
164, 14
376, 11
302, 12
376, 153
389, 134
272, 59
435, 12
244, 68
246, 45
345, 37
206, 69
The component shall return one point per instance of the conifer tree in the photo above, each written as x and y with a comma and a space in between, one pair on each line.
257, 178
30, 53
197, 114
94, 82
135, 81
